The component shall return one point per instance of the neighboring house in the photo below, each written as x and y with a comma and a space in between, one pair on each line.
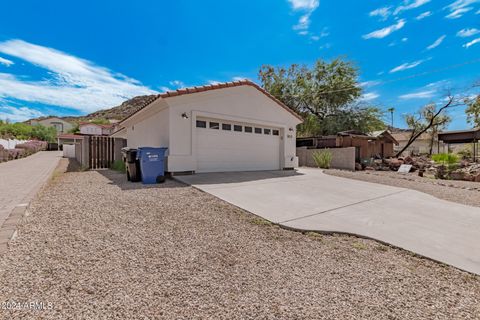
234, 126
420, 146
60, 125
93, 129
371, 145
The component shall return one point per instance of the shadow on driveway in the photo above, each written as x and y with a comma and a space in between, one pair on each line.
236, 177
120, 180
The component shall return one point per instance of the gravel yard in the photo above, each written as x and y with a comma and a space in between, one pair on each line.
464, 192
97, 247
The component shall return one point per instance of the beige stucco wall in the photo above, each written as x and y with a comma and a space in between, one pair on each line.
239, 104
91, 129
342, 158
150, 131
50, 123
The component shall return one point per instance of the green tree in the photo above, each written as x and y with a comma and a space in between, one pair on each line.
324, 95
423, 121
473, 111
100, 121
24, 131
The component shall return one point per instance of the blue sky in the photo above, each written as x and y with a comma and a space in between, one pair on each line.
72, 58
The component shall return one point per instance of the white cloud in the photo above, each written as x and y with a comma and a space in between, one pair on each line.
18, 114
324, 33
409, 5
459, 8
419, 95
74, 82
6, 62
306, 6
164, 89
369, 96
464, 33
458, 13
367, 84
424, 15
383, 13
382, 33
436, 43
471, 43
177, 84
239, 78
406, 66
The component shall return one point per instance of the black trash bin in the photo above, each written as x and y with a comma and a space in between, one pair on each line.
131, 164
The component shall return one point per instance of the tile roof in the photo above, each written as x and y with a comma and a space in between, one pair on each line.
70, 136
110, 125
183, 91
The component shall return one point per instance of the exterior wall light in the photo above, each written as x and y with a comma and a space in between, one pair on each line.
184, 115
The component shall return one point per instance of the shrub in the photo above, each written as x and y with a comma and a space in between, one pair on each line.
466, 152
323, 159
119, 165
445, 158
448, 163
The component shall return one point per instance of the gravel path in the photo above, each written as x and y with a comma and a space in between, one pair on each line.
97, 247
464, 192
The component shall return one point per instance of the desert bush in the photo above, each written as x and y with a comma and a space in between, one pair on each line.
24, 131
466, 152
445, 158
448, 163
323, 159
119, 165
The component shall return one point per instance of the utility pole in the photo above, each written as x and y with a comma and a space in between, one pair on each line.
391, 110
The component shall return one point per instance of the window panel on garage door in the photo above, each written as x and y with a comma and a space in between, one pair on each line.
238, 149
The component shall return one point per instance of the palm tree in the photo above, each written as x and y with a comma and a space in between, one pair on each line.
391, 110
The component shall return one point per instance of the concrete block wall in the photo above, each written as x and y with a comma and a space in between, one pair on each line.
342, 158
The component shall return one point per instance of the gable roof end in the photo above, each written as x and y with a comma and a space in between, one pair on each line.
184, 91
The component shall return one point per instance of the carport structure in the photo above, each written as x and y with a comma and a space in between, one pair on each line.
461, 137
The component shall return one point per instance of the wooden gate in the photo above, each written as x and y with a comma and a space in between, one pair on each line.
101, 152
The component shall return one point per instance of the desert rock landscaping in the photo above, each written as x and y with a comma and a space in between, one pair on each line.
464, 192
97, 247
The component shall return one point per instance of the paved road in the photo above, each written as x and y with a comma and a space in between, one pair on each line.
311, 200
21, 179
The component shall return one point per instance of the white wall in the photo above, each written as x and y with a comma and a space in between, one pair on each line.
241, 104
167, 127
91, 129
150, 132
10, 143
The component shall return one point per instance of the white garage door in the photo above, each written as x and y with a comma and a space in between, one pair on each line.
228, 146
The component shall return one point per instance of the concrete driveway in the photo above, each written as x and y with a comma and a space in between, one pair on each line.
308, 199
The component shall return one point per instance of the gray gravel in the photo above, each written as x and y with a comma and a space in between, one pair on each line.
464, 192
97, 247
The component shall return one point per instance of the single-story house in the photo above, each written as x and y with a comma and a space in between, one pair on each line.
94, 129
420, 146
233, 126
60, 125
367, 145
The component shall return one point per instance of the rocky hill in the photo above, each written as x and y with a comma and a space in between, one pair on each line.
115, 113
122, 111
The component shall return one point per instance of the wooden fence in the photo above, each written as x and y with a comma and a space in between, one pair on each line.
101, 152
